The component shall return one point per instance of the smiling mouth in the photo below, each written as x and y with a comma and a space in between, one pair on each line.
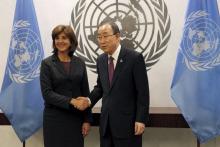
103, 47
61, 45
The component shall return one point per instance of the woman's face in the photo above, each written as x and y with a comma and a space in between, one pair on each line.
62, 43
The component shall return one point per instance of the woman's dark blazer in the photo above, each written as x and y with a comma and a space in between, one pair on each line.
58, 87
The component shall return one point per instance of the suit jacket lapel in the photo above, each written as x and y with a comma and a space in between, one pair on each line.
119, 66
104, 70
59, 65
73, 65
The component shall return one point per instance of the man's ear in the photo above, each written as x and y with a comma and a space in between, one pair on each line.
117, 35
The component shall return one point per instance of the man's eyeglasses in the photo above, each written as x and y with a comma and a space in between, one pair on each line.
104, 36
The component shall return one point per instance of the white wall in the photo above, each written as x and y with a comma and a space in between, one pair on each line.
53, 12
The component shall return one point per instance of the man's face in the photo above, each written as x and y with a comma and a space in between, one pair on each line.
108, 41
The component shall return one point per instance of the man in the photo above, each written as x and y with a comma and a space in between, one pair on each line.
123, 87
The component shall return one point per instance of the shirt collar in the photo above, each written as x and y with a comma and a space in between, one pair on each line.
116, 53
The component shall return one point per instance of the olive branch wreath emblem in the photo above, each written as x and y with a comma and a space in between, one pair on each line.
157, 48
22, 78
199, 65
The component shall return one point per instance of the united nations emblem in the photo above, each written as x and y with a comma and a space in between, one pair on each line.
144, 27
201, 45
25, 53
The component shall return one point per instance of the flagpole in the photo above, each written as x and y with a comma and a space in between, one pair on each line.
23, 143
198, 143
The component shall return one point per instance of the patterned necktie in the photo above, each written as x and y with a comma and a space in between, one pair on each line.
110, 69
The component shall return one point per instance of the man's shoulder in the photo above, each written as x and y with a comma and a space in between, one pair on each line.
102, 56
130, 52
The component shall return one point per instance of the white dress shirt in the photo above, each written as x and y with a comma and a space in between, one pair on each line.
115, 55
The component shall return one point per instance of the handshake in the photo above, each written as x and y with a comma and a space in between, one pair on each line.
80, 103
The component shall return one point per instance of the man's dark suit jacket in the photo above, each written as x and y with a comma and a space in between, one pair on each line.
127, 100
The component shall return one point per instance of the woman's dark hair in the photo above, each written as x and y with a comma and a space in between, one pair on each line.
68, 31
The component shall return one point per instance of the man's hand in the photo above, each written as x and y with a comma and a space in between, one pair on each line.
80, 103
85, 128
139, 128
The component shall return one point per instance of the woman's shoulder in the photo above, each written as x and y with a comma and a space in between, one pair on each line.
78, 59
48, 59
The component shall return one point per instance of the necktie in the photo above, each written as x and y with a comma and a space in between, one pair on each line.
110, 69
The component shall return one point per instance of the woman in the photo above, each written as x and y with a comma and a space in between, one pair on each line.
63, 78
